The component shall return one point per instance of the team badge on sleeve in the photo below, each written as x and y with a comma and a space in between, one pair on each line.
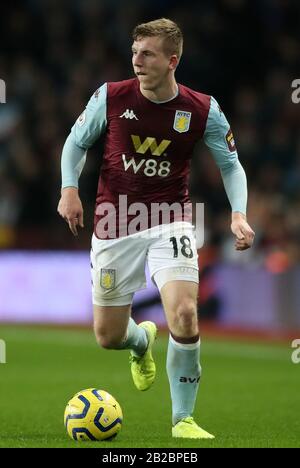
107, 278
81, 119
182, 121
230, 141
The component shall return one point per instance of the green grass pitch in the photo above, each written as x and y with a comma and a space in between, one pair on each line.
249, 393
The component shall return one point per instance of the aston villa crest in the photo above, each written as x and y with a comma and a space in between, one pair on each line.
182, 121
107, 278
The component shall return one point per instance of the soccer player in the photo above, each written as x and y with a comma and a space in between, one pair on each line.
151, 125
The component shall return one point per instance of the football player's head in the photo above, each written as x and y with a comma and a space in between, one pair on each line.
156, 51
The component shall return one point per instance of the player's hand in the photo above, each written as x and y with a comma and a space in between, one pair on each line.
244, 235
70, 208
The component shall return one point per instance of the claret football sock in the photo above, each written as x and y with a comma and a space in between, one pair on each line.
184, 371
136, 340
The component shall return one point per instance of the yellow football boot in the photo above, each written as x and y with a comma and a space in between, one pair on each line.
143, 368
188, 429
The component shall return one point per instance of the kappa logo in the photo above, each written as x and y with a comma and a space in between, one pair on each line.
149, 143
129, 114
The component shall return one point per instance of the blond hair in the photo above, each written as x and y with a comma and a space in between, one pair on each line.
164, 28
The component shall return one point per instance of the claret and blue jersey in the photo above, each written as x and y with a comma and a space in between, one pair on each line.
149, 145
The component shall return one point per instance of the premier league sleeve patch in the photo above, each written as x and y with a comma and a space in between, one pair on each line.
81, 119
230, 141
107, 278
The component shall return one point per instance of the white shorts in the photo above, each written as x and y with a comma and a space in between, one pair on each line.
118, 265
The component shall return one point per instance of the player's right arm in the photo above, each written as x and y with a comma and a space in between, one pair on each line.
87, 129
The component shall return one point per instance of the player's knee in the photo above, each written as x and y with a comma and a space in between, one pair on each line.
105, 339
186, 316
101, 336
108, 342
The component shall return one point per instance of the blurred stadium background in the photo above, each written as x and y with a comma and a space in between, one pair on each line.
54, 54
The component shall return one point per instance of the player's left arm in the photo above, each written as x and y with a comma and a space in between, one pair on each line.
219, 138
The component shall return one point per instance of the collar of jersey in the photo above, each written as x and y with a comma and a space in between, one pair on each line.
163, 102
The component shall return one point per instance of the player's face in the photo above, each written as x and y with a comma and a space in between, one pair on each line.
150, 62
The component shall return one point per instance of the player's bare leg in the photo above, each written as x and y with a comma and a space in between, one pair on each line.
110, 324
115, 329
180, 304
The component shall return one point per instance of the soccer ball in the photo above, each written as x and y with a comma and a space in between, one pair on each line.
93, 415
